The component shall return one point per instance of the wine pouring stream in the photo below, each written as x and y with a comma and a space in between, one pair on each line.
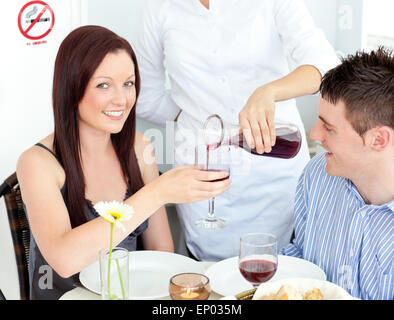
218, 137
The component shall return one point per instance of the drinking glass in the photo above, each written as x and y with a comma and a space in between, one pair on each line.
258, 257
189, 286
114, 274
217, 159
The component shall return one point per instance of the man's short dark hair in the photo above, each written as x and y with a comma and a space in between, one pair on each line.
364, 82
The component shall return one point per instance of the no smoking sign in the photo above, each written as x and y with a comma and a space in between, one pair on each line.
36, 20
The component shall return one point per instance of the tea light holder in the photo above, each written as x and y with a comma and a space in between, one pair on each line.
189, 286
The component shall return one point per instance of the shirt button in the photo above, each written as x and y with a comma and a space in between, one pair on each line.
363, 213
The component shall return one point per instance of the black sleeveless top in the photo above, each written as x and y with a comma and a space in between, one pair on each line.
45, 283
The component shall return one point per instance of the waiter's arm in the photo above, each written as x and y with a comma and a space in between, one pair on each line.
309, 49
257, 117
154, 103
302, 81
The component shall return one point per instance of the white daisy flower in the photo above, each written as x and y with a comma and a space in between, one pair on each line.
114, 212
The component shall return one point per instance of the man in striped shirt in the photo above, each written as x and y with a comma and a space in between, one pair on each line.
344, 207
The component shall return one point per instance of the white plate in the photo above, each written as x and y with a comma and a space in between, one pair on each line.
227, 280
330, 291
150, 273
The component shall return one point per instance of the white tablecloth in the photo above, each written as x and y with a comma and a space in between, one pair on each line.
84, 294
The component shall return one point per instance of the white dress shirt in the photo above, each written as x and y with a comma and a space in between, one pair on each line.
215, 59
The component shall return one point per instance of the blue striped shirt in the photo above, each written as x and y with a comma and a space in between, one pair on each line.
351, 241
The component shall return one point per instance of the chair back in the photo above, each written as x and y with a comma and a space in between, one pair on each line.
20, 230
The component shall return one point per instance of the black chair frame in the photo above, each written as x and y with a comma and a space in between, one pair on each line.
20, 231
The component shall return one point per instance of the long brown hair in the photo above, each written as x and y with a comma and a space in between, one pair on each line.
78, 57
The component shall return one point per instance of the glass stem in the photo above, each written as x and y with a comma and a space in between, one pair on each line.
211, 212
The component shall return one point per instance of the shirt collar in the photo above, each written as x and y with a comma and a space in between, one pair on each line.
390, 205
353, 189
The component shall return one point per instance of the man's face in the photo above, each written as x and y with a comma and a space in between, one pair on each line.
346, 151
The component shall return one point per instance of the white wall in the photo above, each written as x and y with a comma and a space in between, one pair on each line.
26, 70
324, 14
378, 23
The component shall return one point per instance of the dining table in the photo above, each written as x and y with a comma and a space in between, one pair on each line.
81, 293
150, 273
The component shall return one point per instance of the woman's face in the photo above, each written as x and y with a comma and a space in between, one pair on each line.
109, 95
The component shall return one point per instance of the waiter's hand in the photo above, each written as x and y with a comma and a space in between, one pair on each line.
257, 120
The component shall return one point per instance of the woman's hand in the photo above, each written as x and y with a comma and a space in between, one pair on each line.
189, 184
257, 120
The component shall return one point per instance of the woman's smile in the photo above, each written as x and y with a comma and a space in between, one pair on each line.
114, 114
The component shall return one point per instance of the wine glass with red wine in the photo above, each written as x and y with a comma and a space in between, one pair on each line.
258, 257
212, 159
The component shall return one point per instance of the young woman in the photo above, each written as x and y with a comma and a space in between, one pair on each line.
95, 154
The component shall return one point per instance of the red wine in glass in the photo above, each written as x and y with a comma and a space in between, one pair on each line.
214, 159
257, 271
216, 180
258, 257
225, 167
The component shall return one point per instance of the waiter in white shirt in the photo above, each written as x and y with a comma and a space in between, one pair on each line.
229, 57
